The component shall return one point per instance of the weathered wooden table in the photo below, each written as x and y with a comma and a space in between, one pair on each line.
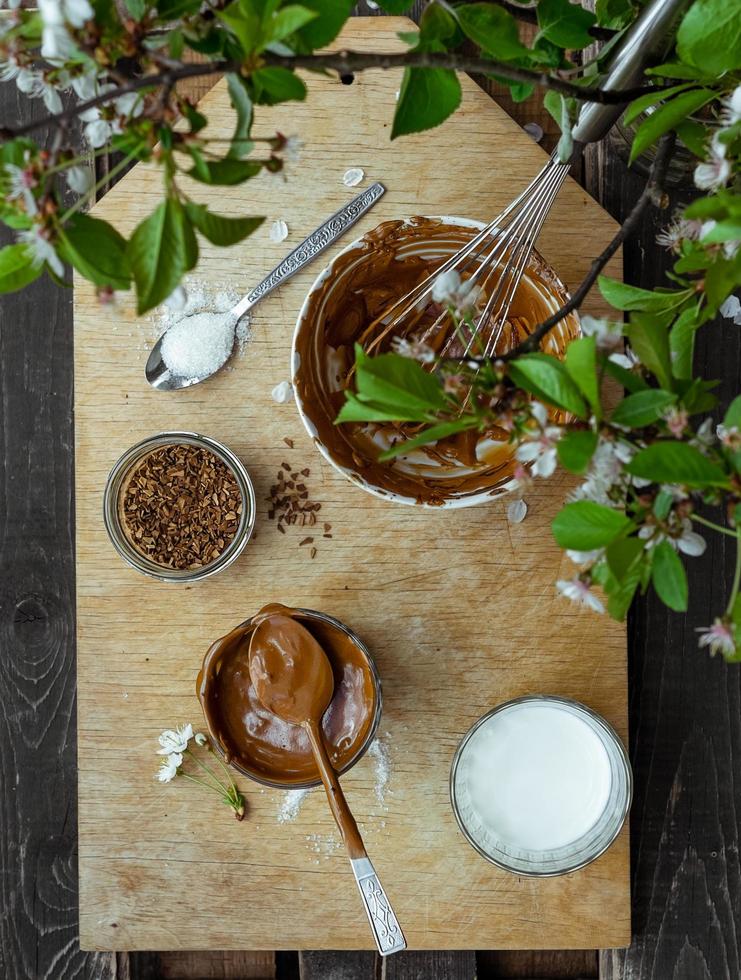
685, 708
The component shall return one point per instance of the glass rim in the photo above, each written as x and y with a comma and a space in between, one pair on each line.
111, 494
610, 736
372, 728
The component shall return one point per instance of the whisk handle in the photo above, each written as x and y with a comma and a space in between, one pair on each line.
646, 41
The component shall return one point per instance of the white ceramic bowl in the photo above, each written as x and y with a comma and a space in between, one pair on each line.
324, 286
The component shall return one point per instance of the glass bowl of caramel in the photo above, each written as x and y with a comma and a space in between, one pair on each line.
361, 282
262, 746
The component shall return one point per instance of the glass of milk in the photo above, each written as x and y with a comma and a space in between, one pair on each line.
541, 785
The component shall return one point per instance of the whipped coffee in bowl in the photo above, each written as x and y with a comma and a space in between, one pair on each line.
360, 283
258, 743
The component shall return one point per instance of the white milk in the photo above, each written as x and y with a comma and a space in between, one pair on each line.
536, 776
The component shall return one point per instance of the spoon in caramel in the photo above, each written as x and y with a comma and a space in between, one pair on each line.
293, 678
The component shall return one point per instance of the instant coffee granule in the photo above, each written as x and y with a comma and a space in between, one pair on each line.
180, 506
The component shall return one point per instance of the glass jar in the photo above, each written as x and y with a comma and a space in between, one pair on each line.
557, 807
112, 516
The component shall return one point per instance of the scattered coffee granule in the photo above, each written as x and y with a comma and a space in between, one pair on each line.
313, 552
180, 506
306, 541
288, 442
289, 500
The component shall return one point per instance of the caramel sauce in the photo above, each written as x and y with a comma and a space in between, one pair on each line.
366, 281
263, 745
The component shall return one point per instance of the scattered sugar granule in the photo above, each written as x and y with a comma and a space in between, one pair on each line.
323, 843
291, 805
278, 231
353, 176
197, 346
516, 511
380, 754
282, 393
534, 130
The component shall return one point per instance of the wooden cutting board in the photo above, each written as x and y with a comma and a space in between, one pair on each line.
459, 607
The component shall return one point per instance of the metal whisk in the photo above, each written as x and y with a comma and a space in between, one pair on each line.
493, 263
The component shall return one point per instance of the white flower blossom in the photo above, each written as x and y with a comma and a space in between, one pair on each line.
729, 435
516, 511
292, 148
200, 738
718, 637
80, 179
450, 290
580, 593
85, 86
353, 176
716, 171
168, 769
705, 435
417, 350
731, 309
606, 332
98, 127
278, 231
175, 740
41, 249
585, 557
677, 231
627, 360
731, 112
21, 182
539, 450
606, 470
687, 541
56, 15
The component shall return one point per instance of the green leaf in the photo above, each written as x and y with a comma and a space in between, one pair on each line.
721, 279
723, 231
694, 136
625, 377
280, 23
16, 268
669, 577
676, 462
614, 14
437, 24
225, 172
158, 254
355, 410
175, 9
675, 69
575, 450
273, 85
136, 8
581, 363
431, 435
666, 117
492, 28
546, 377
399, 383
426, 98
566, 24
709, 36
650, 341
651, 98
239, 96
585, 525
395, 6
682, 342
642, 408
732, 418
97, 251
621, 593
662, 504
560, 108
325, 28
622, 556
219, 229
623, 296
245, 23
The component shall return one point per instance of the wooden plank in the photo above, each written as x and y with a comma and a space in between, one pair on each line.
216, 965
345, 965
560, 964
414, 965
141, 643
685, 707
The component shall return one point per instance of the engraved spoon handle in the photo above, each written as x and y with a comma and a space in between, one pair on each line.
386, 929
327, 233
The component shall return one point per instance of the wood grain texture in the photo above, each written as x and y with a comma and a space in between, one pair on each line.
529, 964
345, 965
413, 965
685, 708
148, 852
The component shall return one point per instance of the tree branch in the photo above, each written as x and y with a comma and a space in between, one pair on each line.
650, 195
345, 62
